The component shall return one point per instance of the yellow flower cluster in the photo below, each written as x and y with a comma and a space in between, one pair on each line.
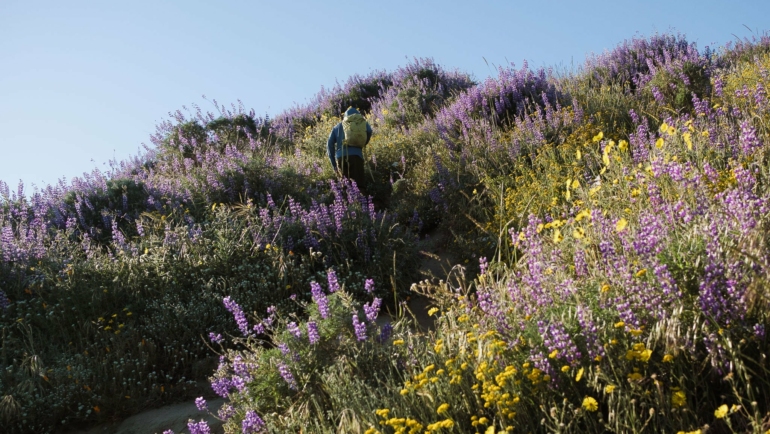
399, 424
639, 353
678, 398
446, 423
492, 383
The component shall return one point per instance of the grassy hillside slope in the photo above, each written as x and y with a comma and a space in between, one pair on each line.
611, 222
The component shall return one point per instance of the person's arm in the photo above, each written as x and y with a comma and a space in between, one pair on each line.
331, 146
368, 132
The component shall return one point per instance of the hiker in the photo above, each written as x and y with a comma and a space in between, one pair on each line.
345, 146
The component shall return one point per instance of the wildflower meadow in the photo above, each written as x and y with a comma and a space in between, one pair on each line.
610, 227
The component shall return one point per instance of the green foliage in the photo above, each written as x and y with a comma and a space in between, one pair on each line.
125, 194
677, 93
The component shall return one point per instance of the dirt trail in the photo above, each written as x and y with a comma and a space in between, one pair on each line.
171, 417
435, 265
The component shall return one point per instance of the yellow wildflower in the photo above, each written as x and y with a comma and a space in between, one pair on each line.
442, 408
590, 404
583, 214
432, 311
439, 346
398, 342
621, 225
553, 354
579, 233
688, 140
721, 412
565, 368
579, 374
609, 389
659, 143
678, 399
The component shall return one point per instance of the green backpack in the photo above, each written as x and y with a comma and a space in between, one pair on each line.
354, 127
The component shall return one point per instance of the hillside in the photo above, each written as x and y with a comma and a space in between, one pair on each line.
609, 226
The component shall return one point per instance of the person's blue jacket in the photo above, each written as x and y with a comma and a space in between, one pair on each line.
334, 147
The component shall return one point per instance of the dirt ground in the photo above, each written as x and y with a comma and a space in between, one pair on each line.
171, 417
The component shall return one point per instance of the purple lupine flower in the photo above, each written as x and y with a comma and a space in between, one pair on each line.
334, 285
590, 332
759, 331
555, 337
312, 332
359, 328
252, 423
242, 368
288, 377
200, 403
240, 317
581, 267
222, 386
749, 140
483, 264
372, 310
239, 382
226, 411
198, 428
369, 286
658, 96
284, 348
215, 337
718, 86
294, 329
385, 333
259, 329
320, 299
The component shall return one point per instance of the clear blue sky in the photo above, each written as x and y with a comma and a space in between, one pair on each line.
82, 82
